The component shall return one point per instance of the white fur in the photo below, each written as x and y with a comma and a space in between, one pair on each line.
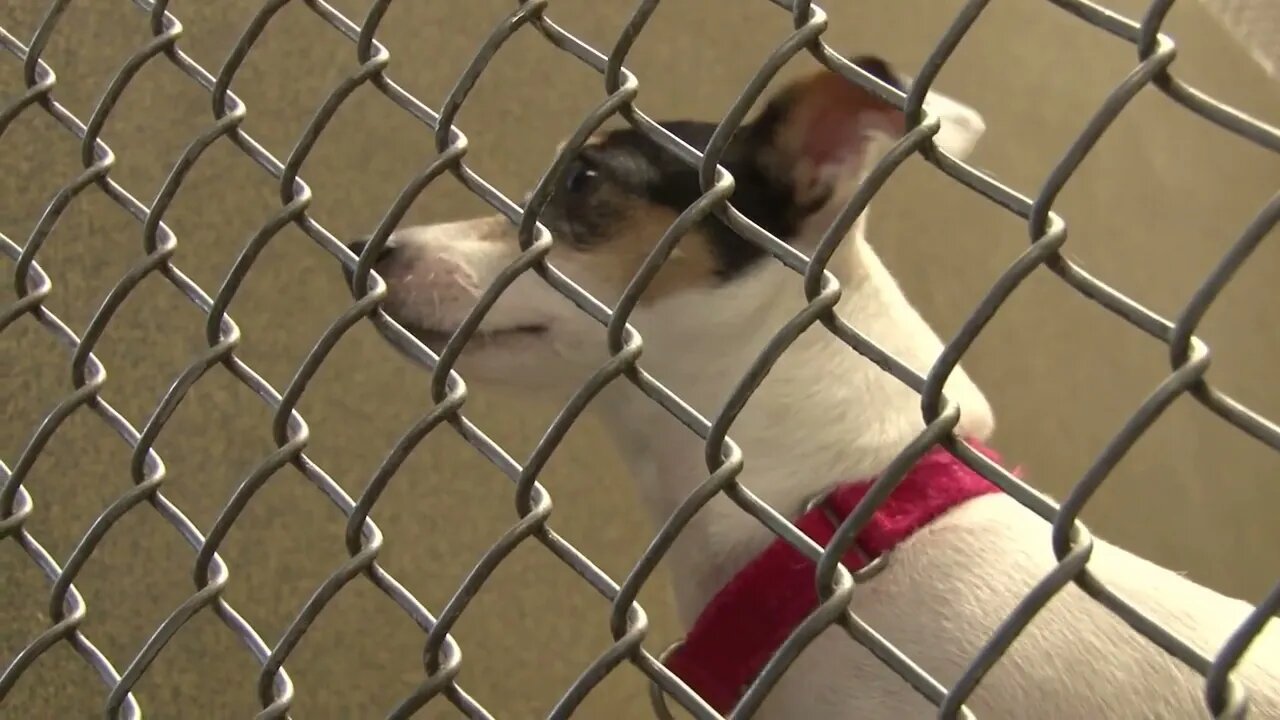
962, 125
825, 415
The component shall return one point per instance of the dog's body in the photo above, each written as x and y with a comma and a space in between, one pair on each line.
823, 416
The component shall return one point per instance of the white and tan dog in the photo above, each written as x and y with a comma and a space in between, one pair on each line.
824, 417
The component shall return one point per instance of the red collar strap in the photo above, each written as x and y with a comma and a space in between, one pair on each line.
750, 618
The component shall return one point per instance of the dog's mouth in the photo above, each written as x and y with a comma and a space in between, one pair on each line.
436, 339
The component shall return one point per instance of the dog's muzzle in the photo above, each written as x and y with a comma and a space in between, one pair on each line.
358, 247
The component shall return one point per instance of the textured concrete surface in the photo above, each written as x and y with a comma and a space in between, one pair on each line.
1150, 212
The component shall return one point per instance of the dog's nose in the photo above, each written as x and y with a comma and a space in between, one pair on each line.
358, 247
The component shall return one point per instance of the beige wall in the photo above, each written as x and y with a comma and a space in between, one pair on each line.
1150, 212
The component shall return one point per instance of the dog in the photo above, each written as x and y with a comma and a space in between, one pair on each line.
957, 555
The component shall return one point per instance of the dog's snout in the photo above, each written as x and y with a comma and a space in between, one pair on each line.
358, 247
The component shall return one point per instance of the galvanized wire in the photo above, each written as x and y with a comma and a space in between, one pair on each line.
1047, 231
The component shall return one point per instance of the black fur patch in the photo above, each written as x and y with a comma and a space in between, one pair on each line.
601, 187
767, 201
879, 69
649, 172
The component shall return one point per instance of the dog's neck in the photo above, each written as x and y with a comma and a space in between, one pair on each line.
824, 416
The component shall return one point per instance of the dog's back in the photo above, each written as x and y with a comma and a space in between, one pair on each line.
944, 592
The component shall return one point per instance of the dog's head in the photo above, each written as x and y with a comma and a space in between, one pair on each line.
794, 165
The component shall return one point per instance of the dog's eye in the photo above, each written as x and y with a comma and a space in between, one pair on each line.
579, 177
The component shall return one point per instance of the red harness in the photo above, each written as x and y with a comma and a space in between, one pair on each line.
750, 618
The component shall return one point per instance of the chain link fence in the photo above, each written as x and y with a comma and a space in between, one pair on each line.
1188, 356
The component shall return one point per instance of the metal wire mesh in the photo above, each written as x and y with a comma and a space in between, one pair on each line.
1072, 544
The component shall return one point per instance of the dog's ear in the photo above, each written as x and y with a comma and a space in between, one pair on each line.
822, 131
962, 125
816, 132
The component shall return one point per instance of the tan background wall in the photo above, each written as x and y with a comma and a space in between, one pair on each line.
1150, 212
